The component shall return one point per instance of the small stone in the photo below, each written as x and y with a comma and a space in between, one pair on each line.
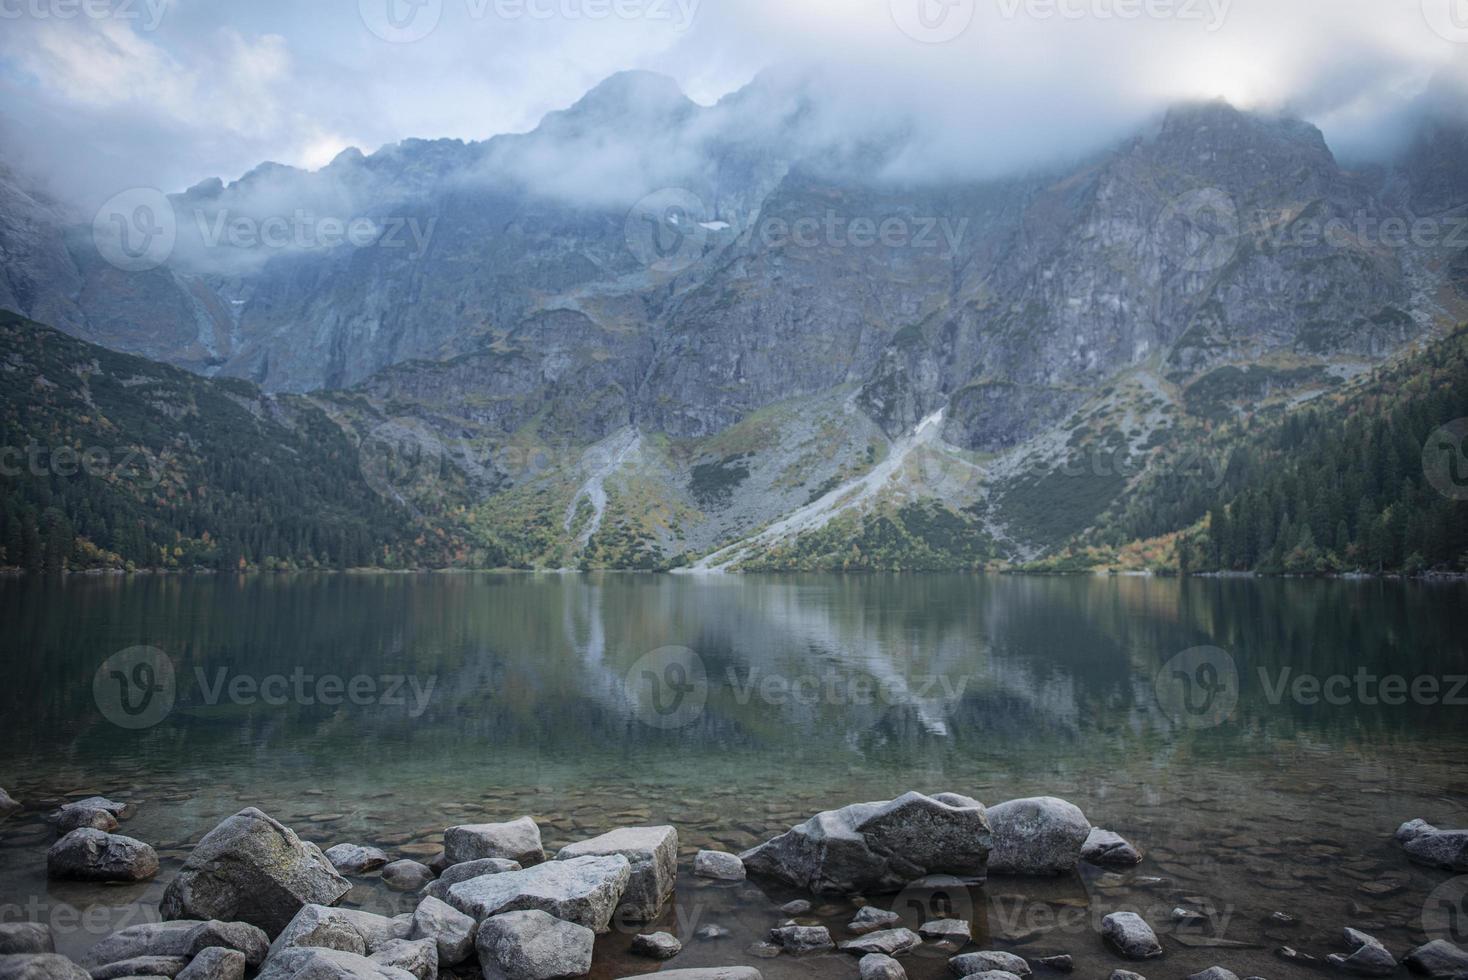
987, 961
1188, 916
893, 942
354, 859
1108, 850
1060, 964
719, 865
657, 945
1130, 936
711, 932
1438, 958
517, 840
763, 950
879, 966
9, 806
1215, 973
92, 855
1369, 959
801, 939
1126, 975
869, 918
1292, 955
955, 930
798, 907
406, 875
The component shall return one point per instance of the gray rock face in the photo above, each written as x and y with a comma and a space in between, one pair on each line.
456, 873
406, 876
93, 855
533, 945
1438, 958
180, 938
40, 966
320, 927
450, 929
719, 865
309, 963
987, 961
892, 942
143, 966
1426, 844
25, 937
879, 966
418, 957
876, 847
1108, 850
582, 890
254, 869
1037, 836
801, 939
215, 963
869, 918
653, 855
1131, 937
354, 859
517, 840
656, 945
1369, 959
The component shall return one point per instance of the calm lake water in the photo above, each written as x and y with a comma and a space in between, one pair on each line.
380, 709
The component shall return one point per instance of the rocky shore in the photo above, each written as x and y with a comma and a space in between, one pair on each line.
253, 899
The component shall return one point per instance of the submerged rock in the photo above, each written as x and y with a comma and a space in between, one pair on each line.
92, 855
652, 853
879, 966
1062, 963
988, 961
1369, 959
25, 937
799, 906
1131, 937
876, 847
533, 945
40, 966
354, 859
517, 840
1426, 844
1108, 850
719, 865
254, 869
1037, 836
450, 929
801, 939
180, 938
406, 875
582, 890
657, 945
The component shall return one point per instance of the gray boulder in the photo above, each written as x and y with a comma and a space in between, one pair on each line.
1037, 836
890, 942
988, 961
801, 939
40, 966
1215, 973
533, 945
880, 966
308, 963
992, 975
710, 973
9, 805
1426, 844
877, 847
582, 890
953, 930
416, 956
456, 873
376, 930
215, 963
1438, 958
255, 869
1108, 850
719, 865
450, 929
656, 945
653, 855
25, 937
869, 918
406, 876
143, 966
93, 855
518, 840
1369, 959
96, 812
1131, 937
180, 938
354, 859
320, 927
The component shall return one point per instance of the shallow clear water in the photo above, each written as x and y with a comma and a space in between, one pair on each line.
733, 707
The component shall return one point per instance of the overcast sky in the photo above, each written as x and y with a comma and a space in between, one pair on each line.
103, 94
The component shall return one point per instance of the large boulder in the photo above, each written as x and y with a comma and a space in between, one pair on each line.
307, 963
450, 929
179, 938
533, 945
25, 937
40, 966
584, 890
254, 869
93, 855
320, 927
653, 854
1037, 836
456, 873
518, 840
1426, 844
879, 847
